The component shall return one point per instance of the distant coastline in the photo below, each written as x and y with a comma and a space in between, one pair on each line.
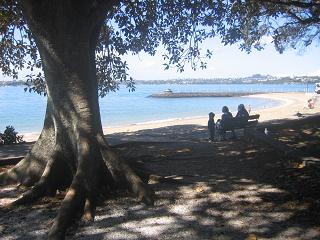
12, 83
254, 79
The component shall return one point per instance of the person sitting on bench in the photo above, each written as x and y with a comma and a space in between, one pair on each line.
226, 123
242, 116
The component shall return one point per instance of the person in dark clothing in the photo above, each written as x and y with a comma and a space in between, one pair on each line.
225, 122
225, 117
242, 115
211, 126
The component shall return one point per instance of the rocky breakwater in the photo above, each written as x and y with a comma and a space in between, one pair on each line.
200, 94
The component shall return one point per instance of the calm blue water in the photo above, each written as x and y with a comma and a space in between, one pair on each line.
25, 111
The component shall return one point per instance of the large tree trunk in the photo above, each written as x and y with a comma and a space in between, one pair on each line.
71, 150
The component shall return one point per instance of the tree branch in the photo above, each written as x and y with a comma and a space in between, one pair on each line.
100, 8
300, 4
306, 21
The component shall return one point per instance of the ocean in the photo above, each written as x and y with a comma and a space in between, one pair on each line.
25, 111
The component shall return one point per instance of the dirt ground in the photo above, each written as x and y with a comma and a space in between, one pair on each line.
234, 189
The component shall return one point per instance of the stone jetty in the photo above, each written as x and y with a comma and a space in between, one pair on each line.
200, 94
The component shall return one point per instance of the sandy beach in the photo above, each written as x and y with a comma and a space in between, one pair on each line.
290, 105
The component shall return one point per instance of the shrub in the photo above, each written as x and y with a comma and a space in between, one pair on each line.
10, 136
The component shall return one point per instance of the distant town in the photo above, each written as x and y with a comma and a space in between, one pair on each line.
256, 78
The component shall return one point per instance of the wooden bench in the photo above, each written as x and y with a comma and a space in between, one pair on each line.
253, 120
235, 124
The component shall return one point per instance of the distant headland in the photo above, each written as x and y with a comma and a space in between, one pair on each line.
254, 79
12, 83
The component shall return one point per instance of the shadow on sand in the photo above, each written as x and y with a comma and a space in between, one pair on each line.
239, 189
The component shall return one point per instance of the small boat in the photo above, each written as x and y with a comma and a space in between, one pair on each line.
168, 90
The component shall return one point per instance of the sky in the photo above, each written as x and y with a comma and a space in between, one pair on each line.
229, 61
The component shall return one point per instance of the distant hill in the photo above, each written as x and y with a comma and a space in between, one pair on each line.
12, 83
256, 78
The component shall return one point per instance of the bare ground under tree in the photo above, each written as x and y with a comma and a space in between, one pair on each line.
224, 190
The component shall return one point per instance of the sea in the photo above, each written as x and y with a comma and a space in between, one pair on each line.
25, 111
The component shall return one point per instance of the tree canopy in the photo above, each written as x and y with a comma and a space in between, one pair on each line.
179, 26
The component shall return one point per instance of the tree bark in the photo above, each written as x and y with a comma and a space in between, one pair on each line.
71, 150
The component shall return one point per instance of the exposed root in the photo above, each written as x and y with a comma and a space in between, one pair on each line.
30, 169
8, 177
71, 208
81, 196
27, 172
89, 210
120, 169
52, 178
144, 193
36, 192
99, 170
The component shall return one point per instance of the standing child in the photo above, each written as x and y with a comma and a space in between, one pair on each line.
211, 126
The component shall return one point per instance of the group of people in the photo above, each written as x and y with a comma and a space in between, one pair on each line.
225, 123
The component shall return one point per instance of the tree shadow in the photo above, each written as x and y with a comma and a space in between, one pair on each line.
235, 189
223, 190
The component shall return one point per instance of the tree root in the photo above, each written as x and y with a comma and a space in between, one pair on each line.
44, 187
117, 165
17, 174
89, 210
99, 171
30, 169
36, 192
71, 208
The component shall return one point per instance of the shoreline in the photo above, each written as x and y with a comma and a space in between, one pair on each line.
290, 104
